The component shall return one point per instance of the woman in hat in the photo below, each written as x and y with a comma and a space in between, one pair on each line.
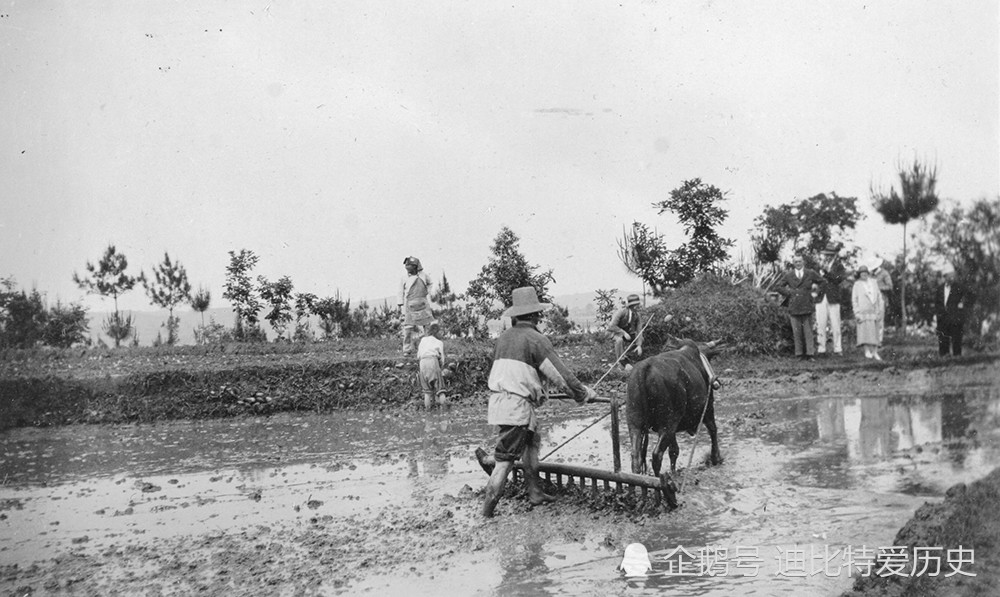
868, 308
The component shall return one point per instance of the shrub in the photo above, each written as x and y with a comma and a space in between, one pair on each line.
213, 333
713, 308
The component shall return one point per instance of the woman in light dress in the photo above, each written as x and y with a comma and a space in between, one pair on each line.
869, 309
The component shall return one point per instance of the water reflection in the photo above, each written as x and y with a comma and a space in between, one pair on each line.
431, 458
904, 444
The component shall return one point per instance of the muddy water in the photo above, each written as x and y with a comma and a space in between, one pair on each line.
804, 479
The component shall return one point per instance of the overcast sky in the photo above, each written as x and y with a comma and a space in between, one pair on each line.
335, 138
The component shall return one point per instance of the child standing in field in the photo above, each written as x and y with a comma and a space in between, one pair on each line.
430, 354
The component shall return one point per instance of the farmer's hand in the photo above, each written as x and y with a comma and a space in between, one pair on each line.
591, 394
626, 336
638, 351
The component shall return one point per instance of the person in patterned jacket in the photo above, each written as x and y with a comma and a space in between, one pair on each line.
522, 358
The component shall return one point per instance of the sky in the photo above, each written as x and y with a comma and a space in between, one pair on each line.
333, 139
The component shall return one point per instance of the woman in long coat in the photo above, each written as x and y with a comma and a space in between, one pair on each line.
868, 310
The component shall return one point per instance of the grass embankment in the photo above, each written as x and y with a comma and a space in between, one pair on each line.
146, 384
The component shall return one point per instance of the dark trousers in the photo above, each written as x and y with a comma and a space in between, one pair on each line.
949, 333
802, 331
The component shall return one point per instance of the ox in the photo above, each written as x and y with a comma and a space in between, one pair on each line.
667, 393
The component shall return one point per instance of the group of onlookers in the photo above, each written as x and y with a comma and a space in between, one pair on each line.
813, 297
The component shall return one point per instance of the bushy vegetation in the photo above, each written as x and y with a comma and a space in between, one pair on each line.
714, 308
26, 321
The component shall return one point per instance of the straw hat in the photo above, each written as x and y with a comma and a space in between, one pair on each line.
525, 301
632, 300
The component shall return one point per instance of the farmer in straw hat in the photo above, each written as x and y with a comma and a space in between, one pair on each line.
521, 359
625, 326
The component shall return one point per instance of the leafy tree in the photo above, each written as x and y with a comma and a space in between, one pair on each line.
278, 295
108, 278
200, 302
456, 318
334, 315
22, 316
169, 288
380, 322
444, 295
917, 197
606, 305
66, 325
557, 319
695, 205
305, 303
506, 269
239, 290
808, 225
644, 254
118, 327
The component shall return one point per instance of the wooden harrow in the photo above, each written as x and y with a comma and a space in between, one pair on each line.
595, 480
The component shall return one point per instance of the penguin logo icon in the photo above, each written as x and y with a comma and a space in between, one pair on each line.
636, 560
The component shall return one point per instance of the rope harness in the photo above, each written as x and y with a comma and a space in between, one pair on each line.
606, 373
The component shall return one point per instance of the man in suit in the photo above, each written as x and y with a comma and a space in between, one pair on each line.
951, 299
797, 287
828, 299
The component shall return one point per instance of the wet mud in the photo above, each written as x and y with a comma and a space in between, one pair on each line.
387, 502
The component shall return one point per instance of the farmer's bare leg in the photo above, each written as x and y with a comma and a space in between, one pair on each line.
494, 487
529, 460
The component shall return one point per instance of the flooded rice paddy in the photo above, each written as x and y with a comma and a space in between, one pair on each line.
804, 478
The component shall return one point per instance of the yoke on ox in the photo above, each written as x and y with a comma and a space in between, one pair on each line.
667, 393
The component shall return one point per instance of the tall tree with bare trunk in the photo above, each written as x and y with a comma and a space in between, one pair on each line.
916, 197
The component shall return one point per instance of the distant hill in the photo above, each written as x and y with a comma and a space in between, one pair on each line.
148, 324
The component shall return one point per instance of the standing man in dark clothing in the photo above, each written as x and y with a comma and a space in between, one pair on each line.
828, 300
796, 286
951, 299
625, 326
521, 359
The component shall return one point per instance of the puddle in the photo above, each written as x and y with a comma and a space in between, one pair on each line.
816, 477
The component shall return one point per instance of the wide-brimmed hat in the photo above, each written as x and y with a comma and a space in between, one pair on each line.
832, 247
412, 261
632, 300
525, 301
